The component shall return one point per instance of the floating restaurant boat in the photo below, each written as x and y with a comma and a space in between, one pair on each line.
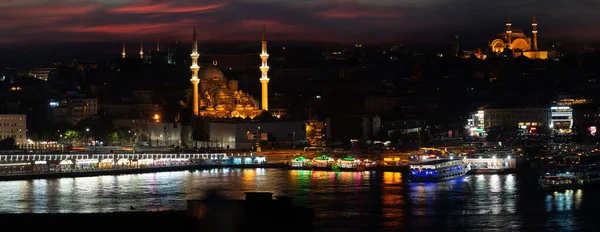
326, 163
569, 178
437, 170
322, 163
300, 163
353, 164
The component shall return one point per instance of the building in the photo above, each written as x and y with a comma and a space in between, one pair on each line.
371, 127
586, 119
218, 97
143, 96
13, 126
221, 98
476, 124
562, 114
315, 133
73, 110
526, 120
168, 134
244, 135
156, 133
42, 73
125, 110
518, 42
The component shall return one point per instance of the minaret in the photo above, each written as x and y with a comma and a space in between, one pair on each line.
455, 45
195, 69
264, 79
141, 50
123, 50
534, 31
508, 33
158, 46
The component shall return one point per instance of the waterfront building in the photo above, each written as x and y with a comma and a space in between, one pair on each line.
13, 126
586, 119
476, 124
562, 114
156, 133
491, 162
243, 135
525, 120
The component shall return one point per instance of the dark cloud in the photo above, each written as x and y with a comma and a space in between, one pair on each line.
346, 20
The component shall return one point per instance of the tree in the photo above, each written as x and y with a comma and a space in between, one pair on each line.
112, 137
72, 135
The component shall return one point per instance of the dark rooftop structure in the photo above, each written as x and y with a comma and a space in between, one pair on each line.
259, 212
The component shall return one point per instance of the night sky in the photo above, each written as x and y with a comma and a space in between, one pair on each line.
424, 21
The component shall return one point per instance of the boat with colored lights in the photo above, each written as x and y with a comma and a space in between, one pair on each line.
326, 163
353, 164
437, 170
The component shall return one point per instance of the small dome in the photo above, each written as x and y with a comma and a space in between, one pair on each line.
222, 93
210, 72
249, 107
239, 106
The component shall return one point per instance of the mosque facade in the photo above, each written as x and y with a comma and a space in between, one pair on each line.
215, 96
518, 42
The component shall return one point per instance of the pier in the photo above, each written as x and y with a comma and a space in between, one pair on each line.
40, 166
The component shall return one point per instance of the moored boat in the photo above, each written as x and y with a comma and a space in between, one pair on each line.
326, 163
322, 163
437, 170
570, 177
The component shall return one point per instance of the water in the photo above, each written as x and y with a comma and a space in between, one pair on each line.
349, 201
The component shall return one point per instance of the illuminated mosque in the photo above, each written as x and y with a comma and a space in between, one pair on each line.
519, 43
217, 97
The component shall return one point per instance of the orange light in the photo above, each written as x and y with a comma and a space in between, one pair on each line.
156, 117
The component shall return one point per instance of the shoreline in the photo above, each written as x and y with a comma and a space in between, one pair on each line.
110, 172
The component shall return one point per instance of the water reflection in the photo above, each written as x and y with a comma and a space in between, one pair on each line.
357, 201
566, 200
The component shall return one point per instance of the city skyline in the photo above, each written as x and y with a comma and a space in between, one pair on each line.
347, 21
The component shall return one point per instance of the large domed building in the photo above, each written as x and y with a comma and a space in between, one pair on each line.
518, 42
218, 97
221, 98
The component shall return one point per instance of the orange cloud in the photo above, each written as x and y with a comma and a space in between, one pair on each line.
165, 8
353, 12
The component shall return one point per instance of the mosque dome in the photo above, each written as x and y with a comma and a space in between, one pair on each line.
222, 93
210, 73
